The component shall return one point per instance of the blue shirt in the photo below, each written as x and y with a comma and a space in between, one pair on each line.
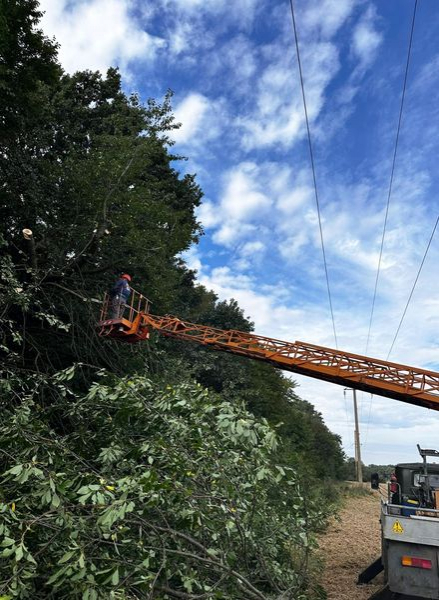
121, 288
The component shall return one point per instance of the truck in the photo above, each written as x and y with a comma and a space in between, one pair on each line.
409, 532
410, 510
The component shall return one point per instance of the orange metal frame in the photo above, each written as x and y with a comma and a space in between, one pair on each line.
400, 382
129, 327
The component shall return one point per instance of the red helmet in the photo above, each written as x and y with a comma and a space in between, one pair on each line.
126, 276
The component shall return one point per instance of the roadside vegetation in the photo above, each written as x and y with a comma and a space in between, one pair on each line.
156, 471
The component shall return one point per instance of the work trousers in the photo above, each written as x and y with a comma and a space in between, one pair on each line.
118, 304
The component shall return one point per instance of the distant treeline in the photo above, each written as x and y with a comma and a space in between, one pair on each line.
384, 471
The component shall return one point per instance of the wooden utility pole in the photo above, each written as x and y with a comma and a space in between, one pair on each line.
357, 441
358, 465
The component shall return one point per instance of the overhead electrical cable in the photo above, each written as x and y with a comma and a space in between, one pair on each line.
404, 87
413, 287
311, 154
392, 172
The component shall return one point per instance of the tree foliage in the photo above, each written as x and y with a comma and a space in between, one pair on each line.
157, 471
27, 65
145, 489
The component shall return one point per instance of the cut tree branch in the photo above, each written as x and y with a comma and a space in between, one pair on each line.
32, 253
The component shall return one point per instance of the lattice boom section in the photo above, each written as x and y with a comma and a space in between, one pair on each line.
401, 382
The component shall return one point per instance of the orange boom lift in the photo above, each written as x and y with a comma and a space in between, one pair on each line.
400, 382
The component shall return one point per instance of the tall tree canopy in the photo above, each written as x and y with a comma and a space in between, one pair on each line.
145, 472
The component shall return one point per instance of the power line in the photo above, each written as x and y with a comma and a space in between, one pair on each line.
414, 285
311, 154
409, 50
392, 171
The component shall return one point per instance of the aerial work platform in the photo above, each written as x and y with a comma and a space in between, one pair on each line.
129, 325
415, 386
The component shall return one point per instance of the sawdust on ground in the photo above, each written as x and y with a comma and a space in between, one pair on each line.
352, 542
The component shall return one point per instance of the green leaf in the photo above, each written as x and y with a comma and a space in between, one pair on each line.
7, 541
56, 575
115, 577
79, 575
15, 470
83, 499
24, 476
67, 556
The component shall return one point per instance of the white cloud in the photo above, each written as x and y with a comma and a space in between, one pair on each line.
203, 121
189, 29
239, 57
278, 115
366, 38
252, 248
290, 201
208, 214
290, 247
389, 430
243, 202
179, 39
230, 11
268, 200
190, 113
232, 232
192, 258
325, 16
97, 34
243, 197
265, 76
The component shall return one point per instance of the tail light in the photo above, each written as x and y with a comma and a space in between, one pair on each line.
412, 561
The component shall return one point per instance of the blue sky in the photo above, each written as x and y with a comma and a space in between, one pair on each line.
232, 65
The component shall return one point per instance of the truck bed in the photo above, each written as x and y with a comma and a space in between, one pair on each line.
414, 535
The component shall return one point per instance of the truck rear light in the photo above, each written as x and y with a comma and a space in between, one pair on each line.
412, 561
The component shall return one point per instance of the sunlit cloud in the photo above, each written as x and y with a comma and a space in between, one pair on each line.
98, 34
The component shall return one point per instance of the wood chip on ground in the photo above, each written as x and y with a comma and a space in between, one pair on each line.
349, 546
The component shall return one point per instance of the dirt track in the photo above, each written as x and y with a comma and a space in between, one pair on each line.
349, 546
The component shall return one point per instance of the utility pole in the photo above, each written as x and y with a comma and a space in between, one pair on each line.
357, 441
358, 466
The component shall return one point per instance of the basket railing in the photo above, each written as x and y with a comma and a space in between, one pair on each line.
137, 303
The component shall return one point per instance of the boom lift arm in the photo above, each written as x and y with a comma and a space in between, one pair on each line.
400, 382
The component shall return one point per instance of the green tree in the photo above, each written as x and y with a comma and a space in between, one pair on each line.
149, 491
27, 68
266, 391
114, 483
101, 196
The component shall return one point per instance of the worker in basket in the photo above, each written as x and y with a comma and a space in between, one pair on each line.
119, 295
